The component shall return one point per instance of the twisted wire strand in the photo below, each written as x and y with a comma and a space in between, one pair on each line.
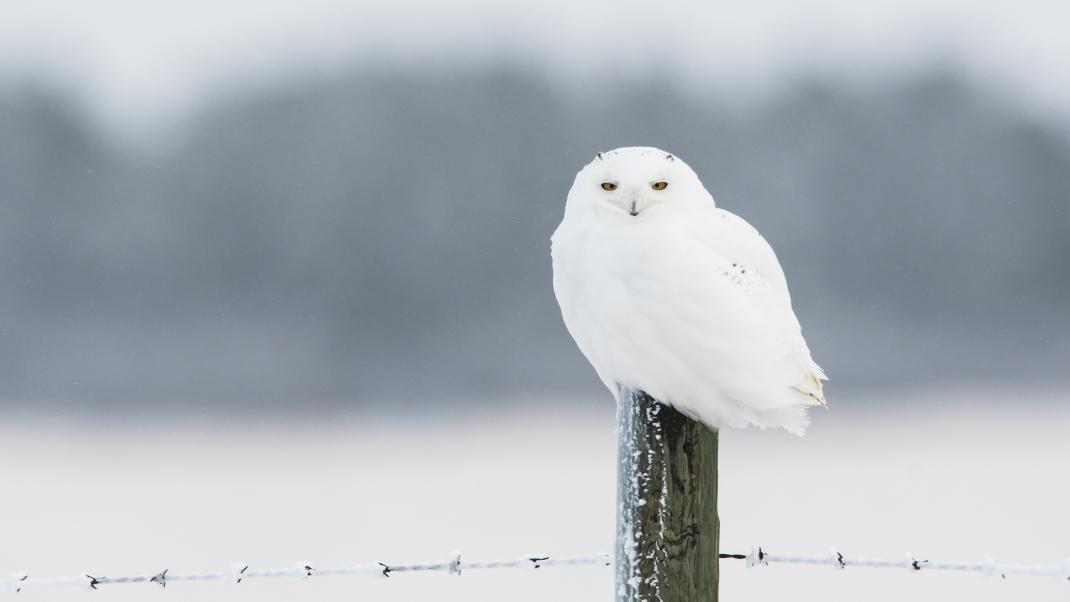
238, 572
909, 562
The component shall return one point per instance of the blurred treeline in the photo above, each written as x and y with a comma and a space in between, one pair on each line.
384, 235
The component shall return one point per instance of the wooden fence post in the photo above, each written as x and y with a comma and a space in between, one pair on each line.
667, 525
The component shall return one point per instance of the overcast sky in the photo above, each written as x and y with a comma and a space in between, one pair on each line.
143, 61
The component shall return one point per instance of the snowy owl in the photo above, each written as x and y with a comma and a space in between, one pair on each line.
668, 294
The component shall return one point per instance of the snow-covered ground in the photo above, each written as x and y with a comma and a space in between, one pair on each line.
942, 475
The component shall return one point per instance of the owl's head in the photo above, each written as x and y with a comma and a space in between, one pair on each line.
635, 182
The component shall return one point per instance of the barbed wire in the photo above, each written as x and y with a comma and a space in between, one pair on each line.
239, 572
910, 562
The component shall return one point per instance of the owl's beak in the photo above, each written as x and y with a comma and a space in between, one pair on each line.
634, 210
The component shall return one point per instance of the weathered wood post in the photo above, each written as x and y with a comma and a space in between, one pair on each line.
667, 525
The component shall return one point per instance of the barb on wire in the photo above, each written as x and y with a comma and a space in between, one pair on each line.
455, 562
14, 582
837, 558
160, 578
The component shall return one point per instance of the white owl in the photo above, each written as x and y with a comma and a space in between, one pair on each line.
666, 293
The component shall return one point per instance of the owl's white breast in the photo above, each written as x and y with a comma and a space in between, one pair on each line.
653, 307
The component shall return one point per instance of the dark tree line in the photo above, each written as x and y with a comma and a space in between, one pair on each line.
385, 235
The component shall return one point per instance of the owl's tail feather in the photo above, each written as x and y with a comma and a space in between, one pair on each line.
814, 395
812, 387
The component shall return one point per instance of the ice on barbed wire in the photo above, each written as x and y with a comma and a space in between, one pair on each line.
303, 569
537, 559
668, 294
838, 560
14, 581
235, 571
990, 567
454, 562
755, 557
915, 564
160, 578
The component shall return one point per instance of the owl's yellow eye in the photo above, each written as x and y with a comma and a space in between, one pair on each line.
609, 186
659, 185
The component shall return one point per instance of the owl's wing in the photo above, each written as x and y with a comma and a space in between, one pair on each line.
751, 264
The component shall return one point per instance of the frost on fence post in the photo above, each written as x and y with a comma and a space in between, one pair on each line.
667, 525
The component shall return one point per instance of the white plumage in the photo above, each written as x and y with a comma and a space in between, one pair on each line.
666, 293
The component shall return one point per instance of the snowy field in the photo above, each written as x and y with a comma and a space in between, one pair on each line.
945, 476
